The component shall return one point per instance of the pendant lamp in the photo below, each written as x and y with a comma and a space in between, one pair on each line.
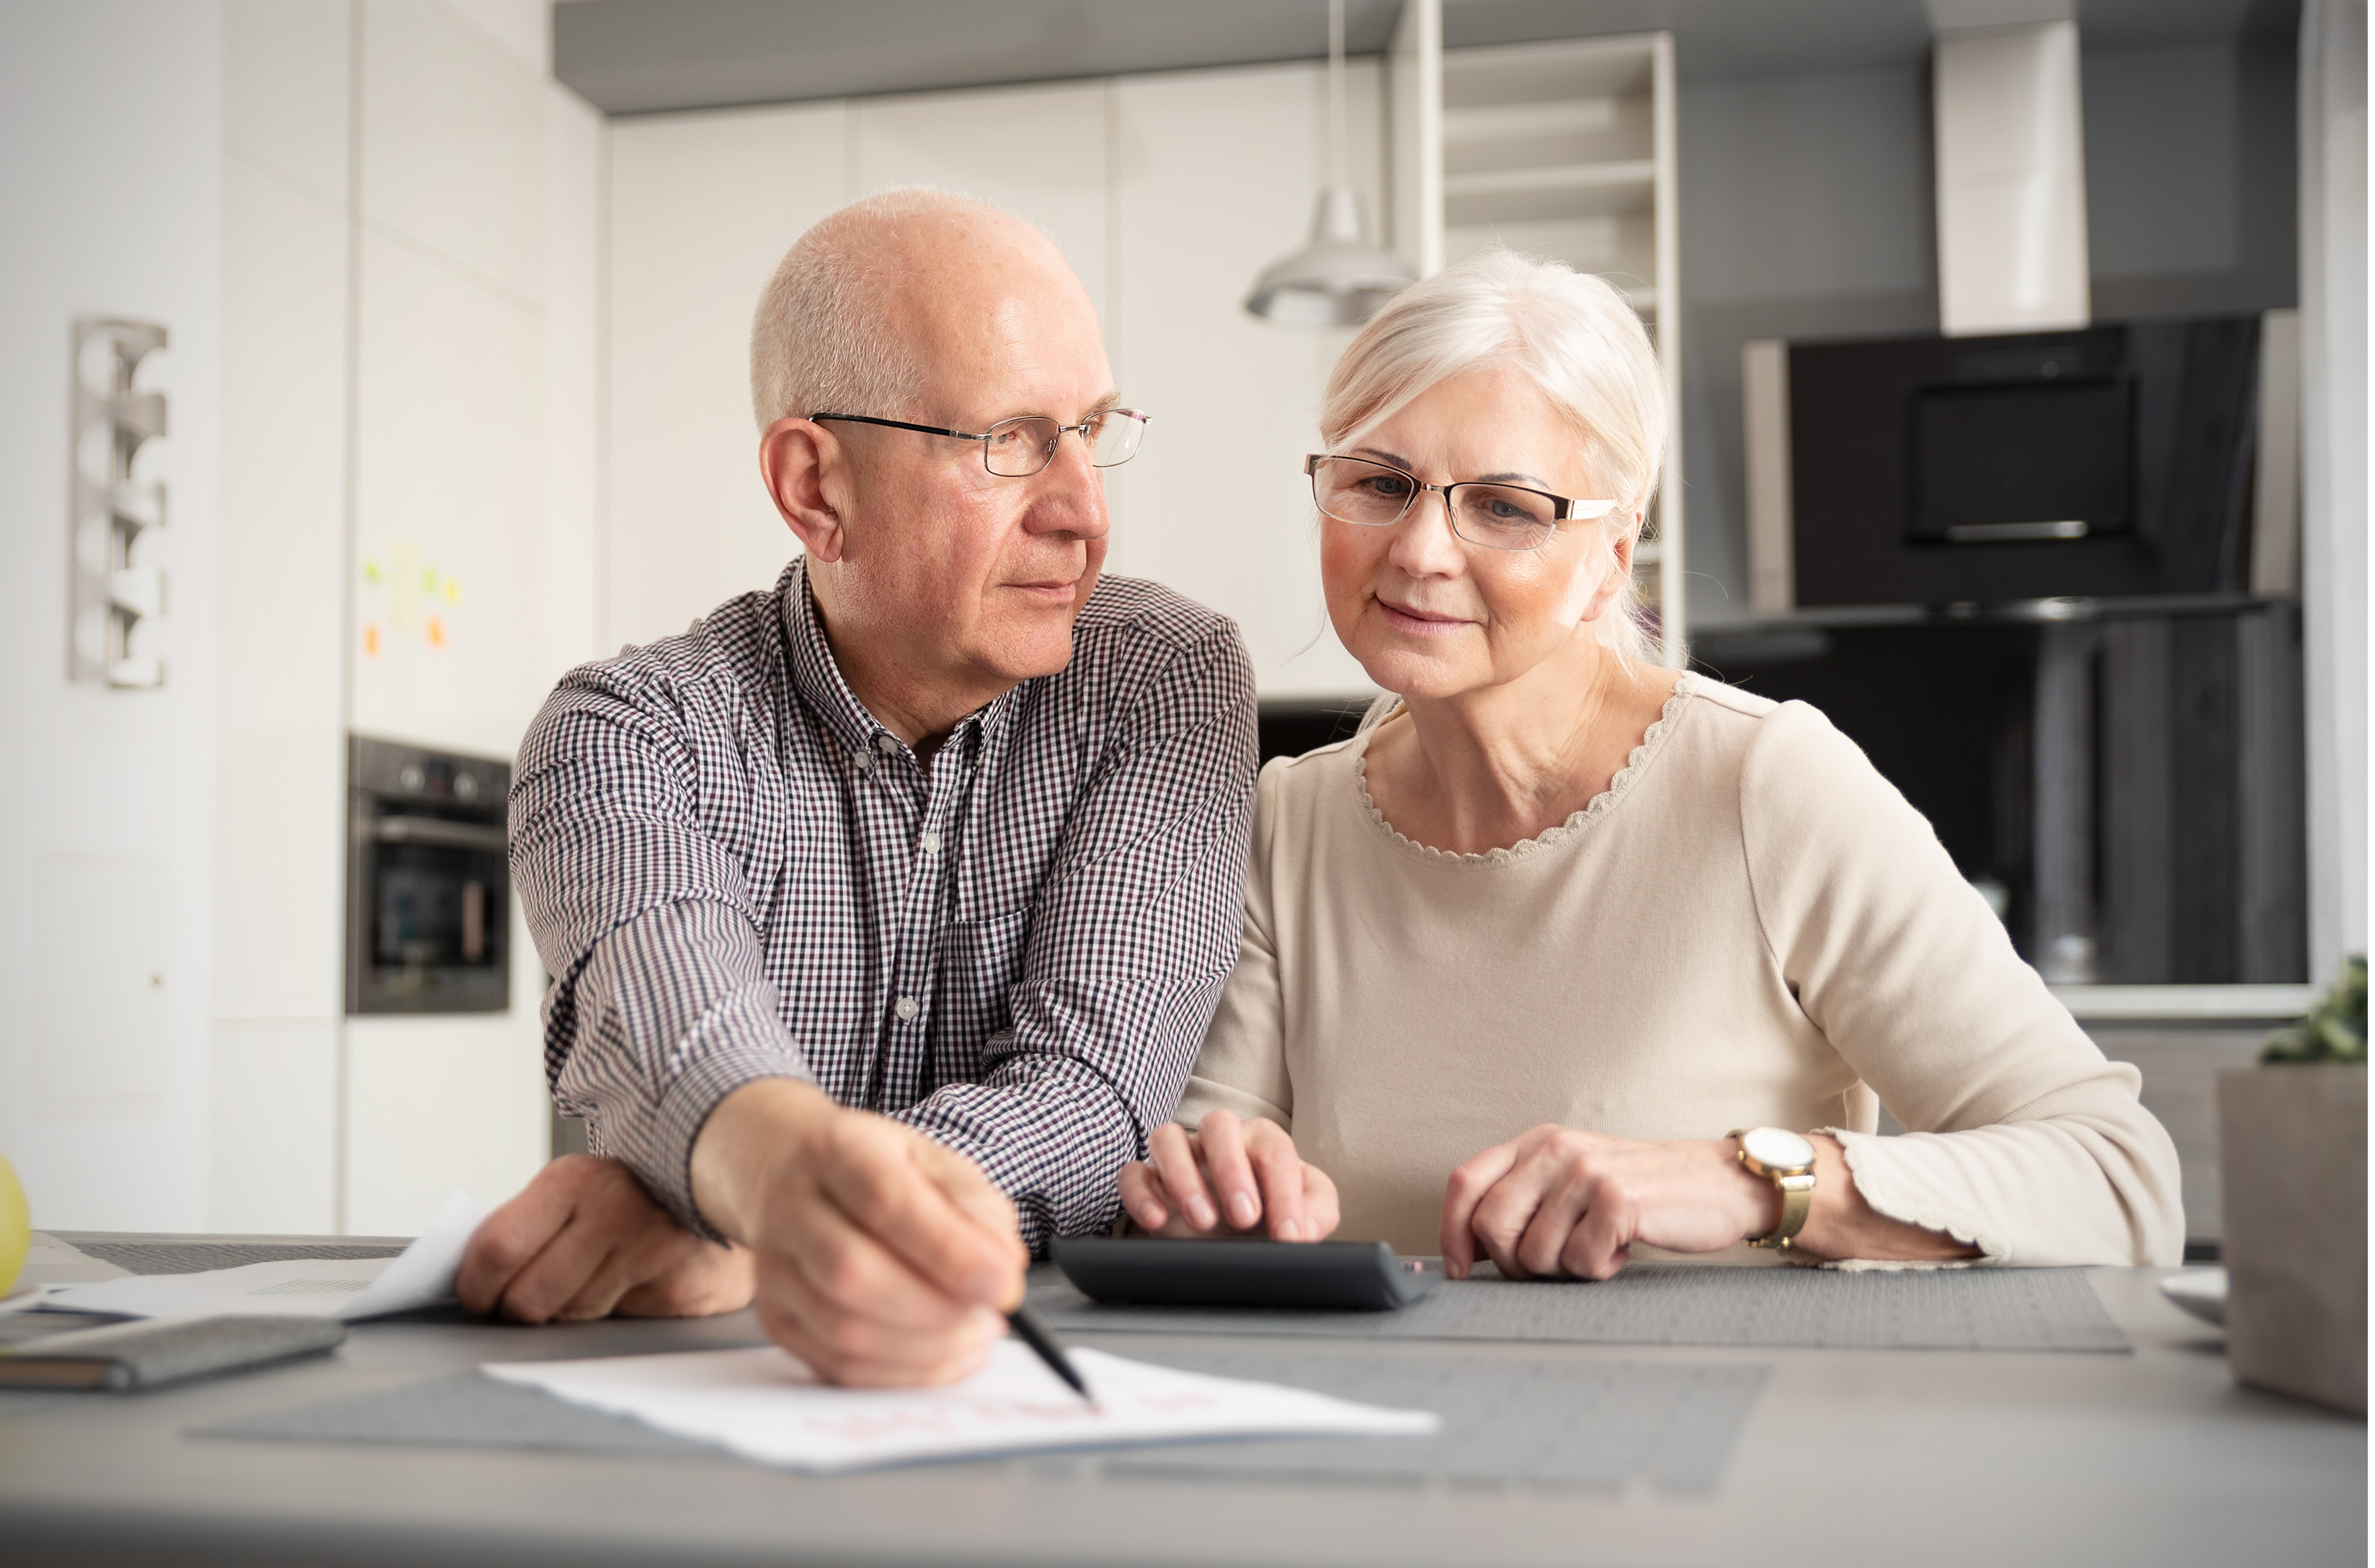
1339, 279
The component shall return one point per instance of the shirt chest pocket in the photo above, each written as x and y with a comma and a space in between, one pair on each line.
981, 964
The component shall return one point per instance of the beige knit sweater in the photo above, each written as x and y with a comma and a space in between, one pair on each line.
1749, 927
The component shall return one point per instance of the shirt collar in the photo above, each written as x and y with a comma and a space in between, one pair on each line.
817, 679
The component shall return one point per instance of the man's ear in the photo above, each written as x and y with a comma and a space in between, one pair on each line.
804, 468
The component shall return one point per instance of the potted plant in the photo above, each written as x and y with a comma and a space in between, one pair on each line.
2292, 1142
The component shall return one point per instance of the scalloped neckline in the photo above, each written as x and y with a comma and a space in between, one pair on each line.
1599, 806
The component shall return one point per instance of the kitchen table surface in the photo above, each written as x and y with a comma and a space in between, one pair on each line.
1848, 1457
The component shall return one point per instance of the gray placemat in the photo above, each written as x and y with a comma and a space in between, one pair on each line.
1508, 1421
1680, 1303
196, 1257
463, 1409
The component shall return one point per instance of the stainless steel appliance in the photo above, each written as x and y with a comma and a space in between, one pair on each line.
428, 883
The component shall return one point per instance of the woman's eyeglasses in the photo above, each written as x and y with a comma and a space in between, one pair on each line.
1497, 517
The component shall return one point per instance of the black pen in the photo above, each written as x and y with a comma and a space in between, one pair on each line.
1047, 1348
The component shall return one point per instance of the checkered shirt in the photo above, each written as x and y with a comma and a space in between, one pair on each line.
735, 872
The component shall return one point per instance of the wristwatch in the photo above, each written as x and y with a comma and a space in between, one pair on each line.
1789, 1161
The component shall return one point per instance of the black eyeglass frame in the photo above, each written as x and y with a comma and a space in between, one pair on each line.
1564, 509
1047, 455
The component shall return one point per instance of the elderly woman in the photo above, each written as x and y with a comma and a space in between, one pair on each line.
1551, 958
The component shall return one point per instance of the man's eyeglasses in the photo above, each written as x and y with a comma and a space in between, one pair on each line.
1018, 448
1499, 517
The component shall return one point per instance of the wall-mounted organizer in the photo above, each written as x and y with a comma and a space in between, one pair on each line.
1566, 151
117, 506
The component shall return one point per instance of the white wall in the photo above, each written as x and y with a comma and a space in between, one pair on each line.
1167, 193
111, 116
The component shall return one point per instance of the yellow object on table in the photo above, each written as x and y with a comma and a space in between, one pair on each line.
15, 1227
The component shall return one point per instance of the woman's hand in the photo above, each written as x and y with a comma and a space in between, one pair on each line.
1228, 1176
1558, 1203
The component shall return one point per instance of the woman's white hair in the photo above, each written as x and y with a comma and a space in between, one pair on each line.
824, 341
1570, 333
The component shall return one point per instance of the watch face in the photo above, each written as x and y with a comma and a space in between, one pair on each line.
1777, 1148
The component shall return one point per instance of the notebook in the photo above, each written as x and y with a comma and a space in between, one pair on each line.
152, 1354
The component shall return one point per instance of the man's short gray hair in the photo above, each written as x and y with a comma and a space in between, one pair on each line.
1570, 333
824, 341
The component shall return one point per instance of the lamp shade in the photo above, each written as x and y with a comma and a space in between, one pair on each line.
1339, 279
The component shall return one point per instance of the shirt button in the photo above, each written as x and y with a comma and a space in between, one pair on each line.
931, 844
907, 1008
887, 743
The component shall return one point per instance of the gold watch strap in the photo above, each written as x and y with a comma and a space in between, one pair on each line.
1797, 1202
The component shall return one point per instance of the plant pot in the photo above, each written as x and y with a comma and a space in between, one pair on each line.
2292, 1152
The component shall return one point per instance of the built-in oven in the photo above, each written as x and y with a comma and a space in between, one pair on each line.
428, 881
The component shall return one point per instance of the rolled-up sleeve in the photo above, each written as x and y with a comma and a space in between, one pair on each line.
660, 1006
1130, 940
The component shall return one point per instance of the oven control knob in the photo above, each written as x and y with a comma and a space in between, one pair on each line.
465, 786
411, 778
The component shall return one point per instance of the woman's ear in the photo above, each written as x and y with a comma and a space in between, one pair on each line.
804, 468
1619, 571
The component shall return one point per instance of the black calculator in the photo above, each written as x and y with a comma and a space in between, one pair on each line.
1244, 1272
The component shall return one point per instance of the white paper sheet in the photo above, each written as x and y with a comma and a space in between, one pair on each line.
766, 1406
24, 1298
345, 1288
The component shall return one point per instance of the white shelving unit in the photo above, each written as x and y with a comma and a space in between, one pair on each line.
1562, 149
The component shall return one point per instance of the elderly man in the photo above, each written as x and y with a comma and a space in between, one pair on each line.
886, 910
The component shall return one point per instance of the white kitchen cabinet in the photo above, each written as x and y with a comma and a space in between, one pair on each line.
449, 476
286, 80
104, 979
279, 764
433, 1103
273, 1126
280, 825
401, 297
453, 156
702, 208
446, 637
449, 480
577, 141
279, 787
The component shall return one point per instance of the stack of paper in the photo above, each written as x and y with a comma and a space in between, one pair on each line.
342, 1288
766, 1406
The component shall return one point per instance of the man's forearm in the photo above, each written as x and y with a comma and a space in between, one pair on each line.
669, 1017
